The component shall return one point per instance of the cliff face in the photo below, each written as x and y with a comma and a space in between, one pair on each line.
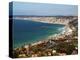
74, 24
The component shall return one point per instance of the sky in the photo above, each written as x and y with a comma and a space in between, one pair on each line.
44, 9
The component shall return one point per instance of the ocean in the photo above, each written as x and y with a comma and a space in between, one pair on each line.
27, 31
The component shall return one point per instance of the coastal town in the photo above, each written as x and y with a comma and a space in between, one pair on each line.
48, 19
65, 43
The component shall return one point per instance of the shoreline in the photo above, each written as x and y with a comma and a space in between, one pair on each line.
44, 39
51, 37
63, 33
43, 22
52, 20
66, 26
64, 43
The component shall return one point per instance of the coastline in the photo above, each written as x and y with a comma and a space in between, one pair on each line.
60, 44
54, 36
51, 36
50, 20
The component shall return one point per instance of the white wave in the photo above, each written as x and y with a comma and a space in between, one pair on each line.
61, 29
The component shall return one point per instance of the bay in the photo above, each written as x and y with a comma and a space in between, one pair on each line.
27, 31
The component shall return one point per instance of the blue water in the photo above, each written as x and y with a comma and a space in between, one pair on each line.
25, 31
